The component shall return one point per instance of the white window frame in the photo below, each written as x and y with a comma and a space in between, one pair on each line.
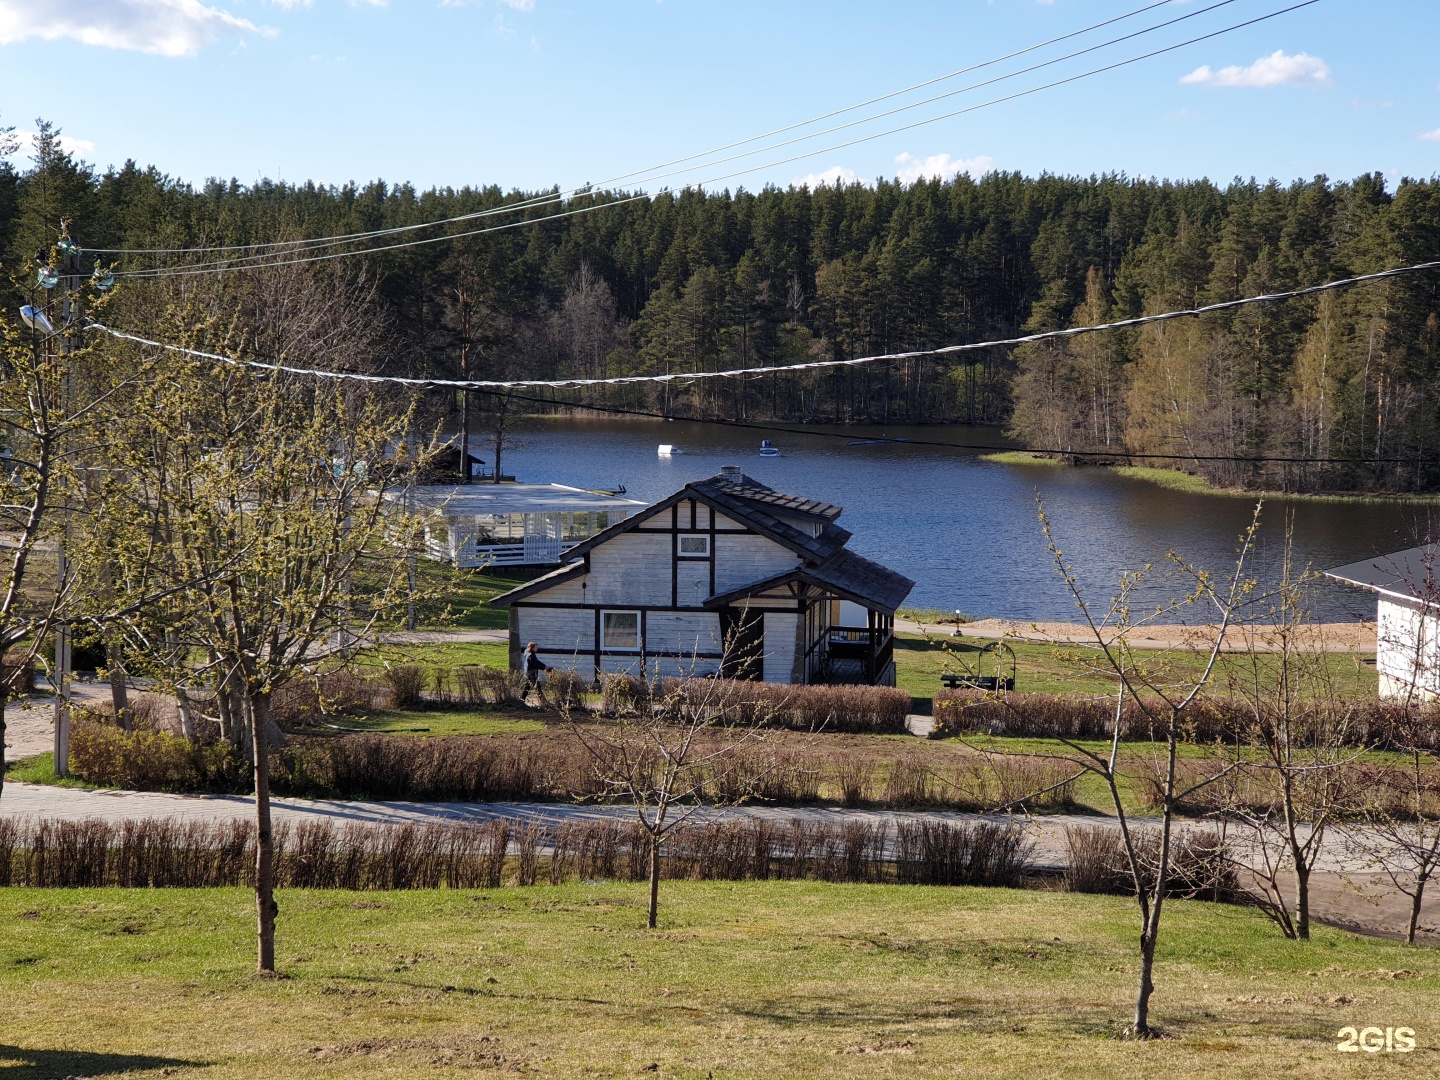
680, 544
605, 643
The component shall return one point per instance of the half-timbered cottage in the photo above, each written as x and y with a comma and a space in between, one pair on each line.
726, 576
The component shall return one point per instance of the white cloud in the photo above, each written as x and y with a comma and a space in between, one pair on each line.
160, 27
940, 167
520, 5
1431, 136
836, 174
26, 144
1277, 69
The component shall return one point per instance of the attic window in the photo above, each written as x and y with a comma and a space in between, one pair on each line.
694, 546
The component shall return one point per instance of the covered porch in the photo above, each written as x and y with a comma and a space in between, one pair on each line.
474, 525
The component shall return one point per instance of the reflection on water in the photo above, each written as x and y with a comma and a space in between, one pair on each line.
966, 530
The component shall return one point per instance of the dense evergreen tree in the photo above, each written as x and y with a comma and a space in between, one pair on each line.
704, 281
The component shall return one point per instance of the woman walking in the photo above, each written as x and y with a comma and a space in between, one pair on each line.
532, 668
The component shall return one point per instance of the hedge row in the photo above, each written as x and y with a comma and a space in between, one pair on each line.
559, 768
167, 853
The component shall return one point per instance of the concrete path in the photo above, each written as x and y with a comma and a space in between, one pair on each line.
30, 723
446, 637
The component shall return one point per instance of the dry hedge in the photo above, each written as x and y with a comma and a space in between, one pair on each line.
1200, 867
1209, 720
167, 853
464, 769
740, 702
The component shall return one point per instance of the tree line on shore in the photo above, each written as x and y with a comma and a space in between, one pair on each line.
695, 281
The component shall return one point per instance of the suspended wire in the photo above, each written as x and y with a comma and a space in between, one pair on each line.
550, 197
650, 175
817, 365
1264, 459
185, 271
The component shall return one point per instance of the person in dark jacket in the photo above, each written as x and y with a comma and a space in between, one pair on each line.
532, 668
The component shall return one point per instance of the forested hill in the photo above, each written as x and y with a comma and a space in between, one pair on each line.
707, 280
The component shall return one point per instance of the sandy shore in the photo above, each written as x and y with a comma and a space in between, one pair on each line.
1346, 637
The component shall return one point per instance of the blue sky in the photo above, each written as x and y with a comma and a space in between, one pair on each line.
530, 93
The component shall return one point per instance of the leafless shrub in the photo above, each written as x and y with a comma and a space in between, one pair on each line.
442, 685
978, 853
564, 690
854, 775
305, 700
406, 683
1200, 867
863, 709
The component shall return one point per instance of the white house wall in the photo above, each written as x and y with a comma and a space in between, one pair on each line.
632, 569
743, 559
1407, 649
566, 635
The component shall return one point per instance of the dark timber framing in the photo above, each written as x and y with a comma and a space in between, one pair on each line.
790, 617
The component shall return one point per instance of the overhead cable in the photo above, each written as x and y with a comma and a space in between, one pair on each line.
234, 265
1119, 452
550, 197
814, 365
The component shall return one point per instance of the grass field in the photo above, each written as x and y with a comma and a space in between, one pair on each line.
776, 979
1068, 669
441, 721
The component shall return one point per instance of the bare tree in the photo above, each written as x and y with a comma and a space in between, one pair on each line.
671, 750
1294, 752
1400, 829
1161, 696
253, 505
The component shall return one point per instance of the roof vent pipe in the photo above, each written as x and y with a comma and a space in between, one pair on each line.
731, 472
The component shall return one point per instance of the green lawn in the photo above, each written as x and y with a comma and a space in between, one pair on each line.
494, 654
41, 770
463, 595
764, 980
440, 721
1071, 669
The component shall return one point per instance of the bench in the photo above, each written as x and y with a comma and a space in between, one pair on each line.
977, 682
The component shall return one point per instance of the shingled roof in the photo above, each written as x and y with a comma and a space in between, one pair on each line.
750, 501
739, 486
847, 575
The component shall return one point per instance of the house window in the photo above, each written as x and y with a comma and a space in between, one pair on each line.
620, 630
694, 546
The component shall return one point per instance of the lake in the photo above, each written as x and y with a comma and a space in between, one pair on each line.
966, 529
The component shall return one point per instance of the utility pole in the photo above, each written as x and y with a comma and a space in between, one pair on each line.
69, 282
465, 391
67, 274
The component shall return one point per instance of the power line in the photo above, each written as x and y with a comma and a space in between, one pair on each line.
215, 268
544, 199
1259, 459
817, 365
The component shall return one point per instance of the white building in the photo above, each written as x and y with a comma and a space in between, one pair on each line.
1407, 627
510, 524
726, 576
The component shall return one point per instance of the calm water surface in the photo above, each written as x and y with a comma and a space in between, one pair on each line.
966, 530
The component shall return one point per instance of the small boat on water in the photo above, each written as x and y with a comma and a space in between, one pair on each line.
768, 449
876, 442
666, 450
